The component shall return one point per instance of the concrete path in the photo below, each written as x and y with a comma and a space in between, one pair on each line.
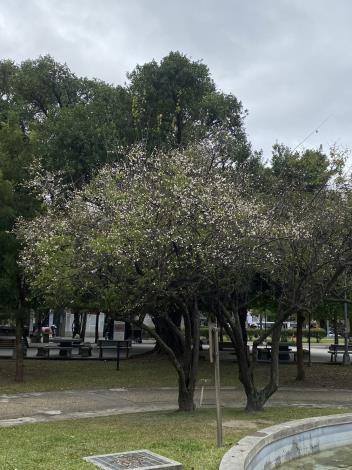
73, 404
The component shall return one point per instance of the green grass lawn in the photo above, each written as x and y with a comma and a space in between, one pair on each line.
152, 371
187, 438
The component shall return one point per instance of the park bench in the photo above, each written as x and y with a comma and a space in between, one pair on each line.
108, 344
336, 349
9, 342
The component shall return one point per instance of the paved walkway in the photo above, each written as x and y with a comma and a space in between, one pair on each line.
73, 404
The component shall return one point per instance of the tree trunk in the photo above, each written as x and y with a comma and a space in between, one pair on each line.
254, 402
19, 351
97, 327
300, 354
187, 382
256, 399
221, 334
162, 328
185, 357
335, 329
185, 397
83, 326
76, 326
242, 313
179, 128
19, 375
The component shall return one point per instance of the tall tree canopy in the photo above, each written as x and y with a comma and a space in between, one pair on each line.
176, 102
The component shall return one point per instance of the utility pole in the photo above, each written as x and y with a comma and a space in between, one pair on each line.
215, 335
346, 360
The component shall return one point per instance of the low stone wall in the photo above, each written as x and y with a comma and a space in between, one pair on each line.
271, 447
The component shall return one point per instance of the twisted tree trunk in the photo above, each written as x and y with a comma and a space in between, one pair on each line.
256, 398
185, 356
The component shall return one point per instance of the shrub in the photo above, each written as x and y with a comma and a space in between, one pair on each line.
204, 331
317, 333
287, 333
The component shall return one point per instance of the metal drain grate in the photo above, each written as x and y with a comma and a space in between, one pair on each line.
135, 460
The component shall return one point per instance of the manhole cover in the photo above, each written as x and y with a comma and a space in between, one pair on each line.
135, 460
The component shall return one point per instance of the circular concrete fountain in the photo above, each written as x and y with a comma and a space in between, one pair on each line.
271, 447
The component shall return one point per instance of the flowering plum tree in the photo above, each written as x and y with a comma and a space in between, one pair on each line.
145, 237
170, 234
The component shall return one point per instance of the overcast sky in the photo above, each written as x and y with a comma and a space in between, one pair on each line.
288, 61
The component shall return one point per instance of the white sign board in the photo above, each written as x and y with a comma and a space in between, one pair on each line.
119, 330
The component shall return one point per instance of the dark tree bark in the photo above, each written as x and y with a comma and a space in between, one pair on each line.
179, 128
185, 356
300, 354
19, 376
221, 334
242, 313
255, 398
82, 333
336, 333
97, 314
190, 359
76, 326
185, 398
19, 350
163, 329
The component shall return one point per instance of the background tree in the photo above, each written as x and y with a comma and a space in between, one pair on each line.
175, 103
309, 172
15, 151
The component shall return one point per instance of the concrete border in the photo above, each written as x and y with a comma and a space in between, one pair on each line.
271, 447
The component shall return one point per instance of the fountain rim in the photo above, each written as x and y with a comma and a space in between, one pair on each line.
241, 455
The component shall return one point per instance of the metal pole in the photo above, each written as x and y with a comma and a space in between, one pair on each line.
117, 356
346, 357
211, 342
217, 387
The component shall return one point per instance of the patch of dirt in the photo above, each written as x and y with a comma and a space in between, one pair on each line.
241, 424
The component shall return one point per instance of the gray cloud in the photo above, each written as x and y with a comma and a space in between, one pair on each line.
289, 61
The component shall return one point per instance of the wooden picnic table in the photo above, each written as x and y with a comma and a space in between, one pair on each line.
66, 344
264, 352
